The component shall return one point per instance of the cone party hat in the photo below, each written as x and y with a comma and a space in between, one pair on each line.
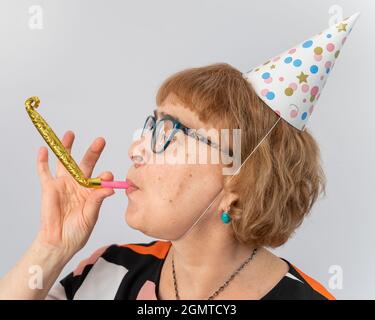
292, 82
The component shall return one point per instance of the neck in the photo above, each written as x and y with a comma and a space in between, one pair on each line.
205, 257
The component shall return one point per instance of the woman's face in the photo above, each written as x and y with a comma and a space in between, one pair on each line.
176, 186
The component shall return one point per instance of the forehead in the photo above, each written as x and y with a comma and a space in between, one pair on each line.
187, 117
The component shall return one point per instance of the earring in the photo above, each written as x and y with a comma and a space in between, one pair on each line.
225, 217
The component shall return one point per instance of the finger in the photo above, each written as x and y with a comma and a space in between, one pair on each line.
99, 194
42, 165
91, 156
96, 198
106, 175
67, 142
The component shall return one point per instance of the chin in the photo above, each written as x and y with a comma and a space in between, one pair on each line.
132, 218
134, 221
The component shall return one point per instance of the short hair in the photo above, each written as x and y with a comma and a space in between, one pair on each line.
283, 178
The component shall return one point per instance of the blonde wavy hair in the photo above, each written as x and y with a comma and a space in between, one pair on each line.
281, 181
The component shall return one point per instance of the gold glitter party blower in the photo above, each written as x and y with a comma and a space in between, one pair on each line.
62, 154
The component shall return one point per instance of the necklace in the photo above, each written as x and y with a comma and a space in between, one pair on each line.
224, 284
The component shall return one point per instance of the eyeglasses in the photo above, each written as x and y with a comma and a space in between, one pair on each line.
164, 130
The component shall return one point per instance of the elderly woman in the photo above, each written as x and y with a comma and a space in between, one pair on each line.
217, 228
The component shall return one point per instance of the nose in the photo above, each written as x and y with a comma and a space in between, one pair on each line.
139, 151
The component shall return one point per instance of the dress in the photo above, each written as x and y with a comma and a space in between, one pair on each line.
132, 272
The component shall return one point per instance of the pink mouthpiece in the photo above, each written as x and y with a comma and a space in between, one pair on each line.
114, 184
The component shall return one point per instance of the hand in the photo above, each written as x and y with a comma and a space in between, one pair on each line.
69, 211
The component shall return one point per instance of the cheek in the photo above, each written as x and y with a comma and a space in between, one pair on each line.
177, 186
173, 199
184, 194
157, 203
170, 191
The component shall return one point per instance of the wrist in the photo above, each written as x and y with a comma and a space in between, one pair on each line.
56, 255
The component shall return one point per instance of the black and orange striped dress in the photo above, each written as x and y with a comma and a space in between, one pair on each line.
132, 271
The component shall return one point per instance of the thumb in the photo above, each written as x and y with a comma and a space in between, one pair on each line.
96, 197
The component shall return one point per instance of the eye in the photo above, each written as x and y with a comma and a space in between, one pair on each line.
163, 138
167, 135
174, 138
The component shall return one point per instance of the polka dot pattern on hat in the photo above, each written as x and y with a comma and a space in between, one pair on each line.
291, 82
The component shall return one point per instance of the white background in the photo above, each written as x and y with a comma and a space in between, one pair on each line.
96, 65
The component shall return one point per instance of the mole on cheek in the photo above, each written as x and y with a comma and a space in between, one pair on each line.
190, 175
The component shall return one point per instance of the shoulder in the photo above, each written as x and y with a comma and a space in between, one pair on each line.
104, 269
124, 254
156, 249
297, 285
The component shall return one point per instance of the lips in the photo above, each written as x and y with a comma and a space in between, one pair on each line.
131, 184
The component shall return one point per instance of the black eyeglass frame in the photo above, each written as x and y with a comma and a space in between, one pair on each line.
177, 125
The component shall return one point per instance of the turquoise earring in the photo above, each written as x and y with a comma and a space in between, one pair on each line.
225, 217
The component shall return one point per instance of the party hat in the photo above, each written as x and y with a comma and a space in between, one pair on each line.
292, 82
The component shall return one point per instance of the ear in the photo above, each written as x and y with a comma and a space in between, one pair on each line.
227, 200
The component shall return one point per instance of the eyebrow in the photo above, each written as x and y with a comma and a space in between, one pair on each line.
157, 114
